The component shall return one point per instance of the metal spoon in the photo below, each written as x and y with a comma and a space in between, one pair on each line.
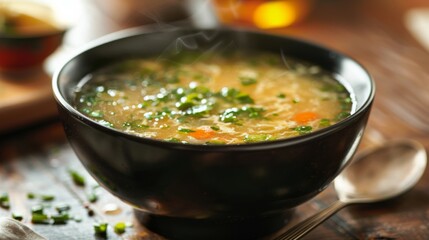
376, 175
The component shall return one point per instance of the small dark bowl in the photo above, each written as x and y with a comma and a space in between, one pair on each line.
211, 192
20, 51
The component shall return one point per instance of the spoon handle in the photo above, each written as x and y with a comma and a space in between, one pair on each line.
304, 227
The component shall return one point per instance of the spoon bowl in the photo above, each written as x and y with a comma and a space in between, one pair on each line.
376, 175
382, 173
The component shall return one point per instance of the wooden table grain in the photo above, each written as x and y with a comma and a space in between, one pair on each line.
37, 159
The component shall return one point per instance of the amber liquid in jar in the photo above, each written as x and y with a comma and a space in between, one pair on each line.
263, 14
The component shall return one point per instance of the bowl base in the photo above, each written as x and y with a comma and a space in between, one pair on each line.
243, 227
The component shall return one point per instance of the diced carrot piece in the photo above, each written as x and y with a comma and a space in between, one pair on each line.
304, 117
202, 134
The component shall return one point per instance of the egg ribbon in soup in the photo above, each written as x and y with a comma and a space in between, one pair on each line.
207, 98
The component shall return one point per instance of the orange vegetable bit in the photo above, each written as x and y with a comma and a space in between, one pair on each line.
202, 134
304, 117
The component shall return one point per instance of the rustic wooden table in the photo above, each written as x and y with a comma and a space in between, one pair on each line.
37, 159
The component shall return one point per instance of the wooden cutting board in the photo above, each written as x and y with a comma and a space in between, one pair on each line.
25, 98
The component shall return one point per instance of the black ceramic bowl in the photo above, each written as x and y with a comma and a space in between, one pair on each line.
211, 192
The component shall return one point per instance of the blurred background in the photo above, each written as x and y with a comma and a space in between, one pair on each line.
86, 20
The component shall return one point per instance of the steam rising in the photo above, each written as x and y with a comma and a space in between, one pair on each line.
202, 43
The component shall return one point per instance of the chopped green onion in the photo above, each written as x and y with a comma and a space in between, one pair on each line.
62, 208
185, 130
92, 197
216, 128
47, 197
173, 140
251, 138
342, 115
230, 115
281, 95
17, 216
303, 129
4, 197
100, 228
4, 201
324, 122
31, 195
39, 218
96, 114
78, 179
60, 218
246, 81
244, 98
336, 87
38, 209
105, 123
120, 227
133, 125
5, 205
234, 95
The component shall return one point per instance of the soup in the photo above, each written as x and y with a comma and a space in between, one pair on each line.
16, 21
207, 98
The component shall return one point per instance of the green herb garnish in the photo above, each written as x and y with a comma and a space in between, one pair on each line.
77, 178
4, 201
92, 197
173, 140
38, 209
281, 95
303, 129
105, 123
233, 95
244, 98
100, 228
345, 103
324, 122
96, 114
186, 130
39, 218
60, 218
17, 216
215, 142
134, 125
334, 87
47, 197
62, 208
342, 115
120, 227
246, 81
231, 115
215, 128
251, 138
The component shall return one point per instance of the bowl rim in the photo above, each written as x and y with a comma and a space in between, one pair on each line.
46, 34
136, 31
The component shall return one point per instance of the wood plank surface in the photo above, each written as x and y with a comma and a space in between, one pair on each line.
25, 97
371, 31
